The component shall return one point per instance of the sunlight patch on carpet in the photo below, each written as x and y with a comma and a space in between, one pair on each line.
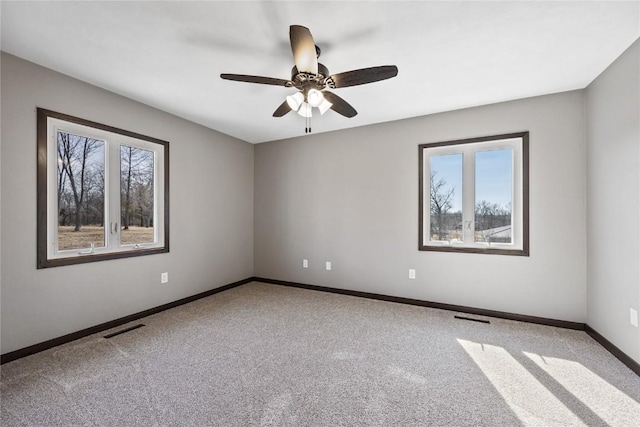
529, 400
611, 404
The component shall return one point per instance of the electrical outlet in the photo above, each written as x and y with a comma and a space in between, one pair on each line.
633, 317
305, 263
327, 265
164, 277
412, 273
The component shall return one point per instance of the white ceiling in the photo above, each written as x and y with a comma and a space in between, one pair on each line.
450, 55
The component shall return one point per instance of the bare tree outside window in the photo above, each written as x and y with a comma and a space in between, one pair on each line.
446, 197
136, 195
441, 204
80, 175
493, 222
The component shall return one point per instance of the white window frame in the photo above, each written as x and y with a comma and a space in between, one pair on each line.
49, 124
519, 144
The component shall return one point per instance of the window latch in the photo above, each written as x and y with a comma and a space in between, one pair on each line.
90, 251
114, 227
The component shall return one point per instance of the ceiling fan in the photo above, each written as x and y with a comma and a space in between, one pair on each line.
312, 80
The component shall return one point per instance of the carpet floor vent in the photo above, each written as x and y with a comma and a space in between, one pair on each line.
124, 331
473, 320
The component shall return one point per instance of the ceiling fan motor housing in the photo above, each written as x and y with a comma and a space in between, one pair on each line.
305, 81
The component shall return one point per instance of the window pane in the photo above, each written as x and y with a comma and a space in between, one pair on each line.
446, 197
136, 196
80, 176
494, 170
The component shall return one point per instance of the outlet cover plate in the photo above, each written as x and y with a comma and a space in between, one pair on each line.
164, 277
633, 317
328, 265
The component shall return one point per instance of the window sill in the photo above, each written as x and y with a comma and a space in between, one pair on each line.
84, 258
488, 250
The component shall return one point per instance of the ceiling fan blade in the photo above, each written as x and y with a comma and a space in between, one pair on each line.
256, 79
364, 76
282, 109
340, 106
304, 49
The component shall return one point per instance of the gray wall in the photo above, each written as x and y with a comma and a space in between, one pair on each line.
613, 209
351, 197
211, 213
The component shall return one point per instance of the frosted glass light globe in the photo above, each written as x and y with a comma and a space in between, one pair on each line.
295, 101
315, 97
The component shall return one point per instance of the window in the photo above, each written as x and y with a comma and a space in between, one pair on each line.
103, 193
474, 195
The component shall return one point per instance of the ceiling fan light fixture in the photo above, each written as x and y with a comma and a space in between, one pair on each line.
315, 97
324, 106
295, 100
305, 110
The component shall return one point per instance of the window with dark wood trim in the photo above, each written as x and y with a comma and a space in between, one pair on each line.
474, 195
103, 192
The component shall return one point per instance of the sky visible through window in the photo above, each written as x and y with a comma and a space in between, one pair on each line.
494, 170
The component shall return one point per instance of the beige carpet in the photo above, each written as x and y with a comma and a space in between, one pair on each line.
266, 355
